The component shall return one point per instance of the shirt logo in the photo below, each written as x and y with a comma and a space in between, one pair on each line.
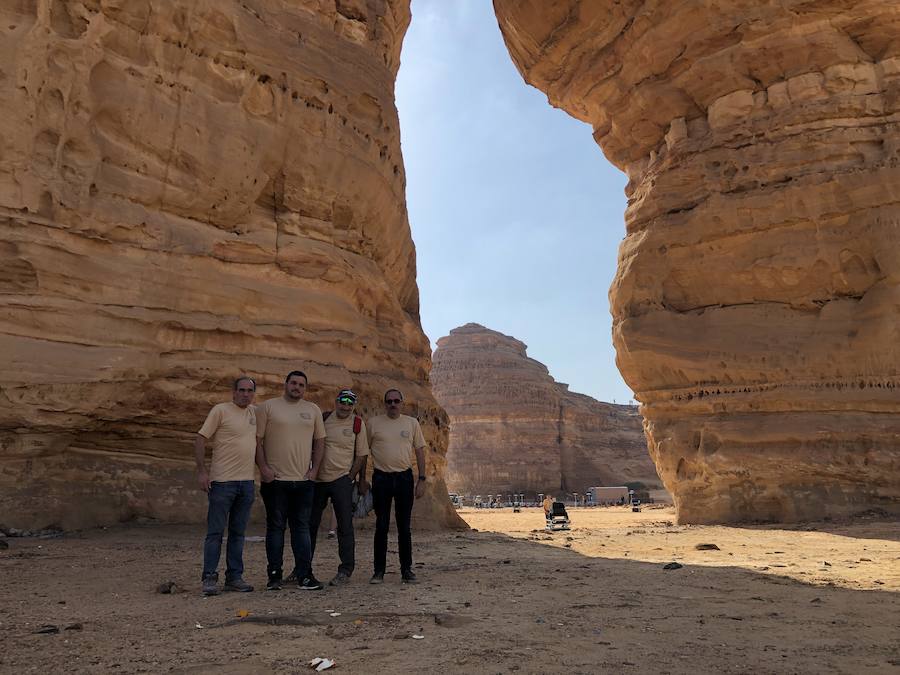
253, 418
404, 433
348, 432
306, 416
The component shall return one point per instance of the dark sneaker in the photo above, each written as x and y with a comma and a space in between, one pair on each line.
408, 577
377, 579
211, 584
340, 579
310, 583
291, 578
274, 585
237, 586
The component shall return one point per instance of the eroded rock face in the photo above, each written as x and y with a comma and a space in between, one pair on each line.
189, 190
757, 297
514, 429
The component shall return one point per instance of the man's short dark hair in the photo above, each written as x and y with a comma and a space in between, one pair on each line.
390, 390
297, 373
234, 387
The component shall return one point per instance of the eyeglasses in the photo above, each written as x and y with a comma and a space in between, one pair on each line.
346, 401
392, 401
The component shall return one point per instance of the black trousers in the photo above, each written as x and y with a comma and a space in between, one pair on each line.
399, 488
288, 503
340, 492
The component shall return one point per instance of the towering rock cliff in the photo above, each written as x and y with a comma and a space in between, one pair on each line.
757, 297
514, 429
189, 190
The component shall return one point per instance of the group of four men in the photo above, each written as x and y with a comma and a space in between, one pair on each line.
305, 459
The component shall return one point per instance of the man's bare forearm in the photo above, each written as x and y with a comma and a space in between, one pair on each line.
318, 451
200, 452
420, 460
358, 470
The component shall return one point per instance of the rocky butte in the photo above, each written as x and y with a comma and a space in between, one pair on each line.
514, 429
757, 297
190, 190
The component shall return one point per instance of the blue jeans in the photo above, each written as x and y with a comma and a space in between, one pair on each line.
229, 502
288, 502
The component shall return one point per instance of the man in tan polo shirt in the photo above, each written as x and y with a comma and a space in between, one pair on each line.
346, 453
392, 439
231, 428
290, 440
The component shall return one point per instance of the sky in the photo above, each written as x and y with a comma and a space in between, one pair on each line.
515, 213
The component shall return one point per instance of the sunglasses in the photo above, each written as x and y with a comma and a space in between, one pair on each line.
346, 401
392, 401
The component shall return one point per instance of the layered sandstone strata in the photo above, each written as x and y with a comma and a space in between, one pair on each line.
757, 297
514, 429
192, 189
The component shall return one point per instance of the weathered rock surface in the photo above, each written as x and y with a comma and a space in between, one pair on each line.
189, 190
514, 429
757, 297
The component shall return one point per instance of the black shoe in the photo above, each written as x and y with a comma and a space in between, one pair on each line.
408, 577
237, 585
274, 584
377, 579
211, 584
310, 583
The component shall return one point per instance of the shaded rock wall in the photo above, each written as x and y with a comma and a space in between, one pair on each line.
756, 302
514, 429
190, 190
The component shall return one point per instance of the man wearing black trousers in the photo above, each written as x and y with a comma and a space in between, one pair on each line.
392, 439
346, 453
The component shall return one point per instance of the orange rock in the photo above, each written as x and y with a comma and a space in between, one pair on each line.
758, 292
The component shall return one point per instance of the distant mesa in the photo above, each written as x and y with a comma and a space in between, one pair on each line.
514, 429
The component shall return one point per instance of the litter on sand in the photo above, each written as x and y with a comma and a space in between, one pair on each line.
321, 664
334, 613
418, 637
198, 625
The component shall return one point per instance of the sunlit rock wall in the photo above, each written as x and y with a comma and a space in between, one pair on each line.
514, 429
189, 190
756, 302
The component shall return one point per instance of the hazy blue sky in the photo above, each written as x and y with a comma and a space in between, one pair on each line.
515, 213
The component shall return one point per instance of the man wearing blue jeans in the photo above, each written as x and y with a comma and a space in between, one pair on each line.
290, 443
231, 428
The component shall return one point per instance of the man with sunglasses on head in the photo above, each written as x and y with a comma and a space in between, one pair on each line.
346, 453
392, 439
290, 443
231, 429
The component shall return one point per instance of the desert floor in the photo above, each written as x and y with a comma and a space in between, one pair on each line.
504, 597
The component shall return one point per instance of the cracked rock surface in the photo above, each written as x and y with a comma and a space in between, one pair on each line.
190, 190
757, 296
514, 429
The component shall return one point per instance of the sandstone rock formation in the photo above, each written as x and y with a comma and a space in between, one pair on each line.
514, 429
192, 189
756, 302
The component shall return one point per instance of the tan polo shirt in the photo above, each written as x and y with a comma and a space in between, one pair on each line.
288, 430
391, 442
232, 431
339, 439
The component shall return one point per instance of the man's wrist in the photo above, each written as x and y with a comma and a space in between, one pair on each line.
421, 477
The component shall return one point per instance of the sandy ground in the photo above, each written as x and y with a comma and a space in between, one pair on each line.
509, 597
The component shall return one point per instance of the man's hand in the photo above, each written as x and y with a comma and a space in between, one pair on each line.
311, 474
362, 486
203, 480
266, 473
420, 489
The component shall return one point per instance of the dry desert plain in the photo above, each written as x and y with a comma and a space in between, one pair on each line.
504, 597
